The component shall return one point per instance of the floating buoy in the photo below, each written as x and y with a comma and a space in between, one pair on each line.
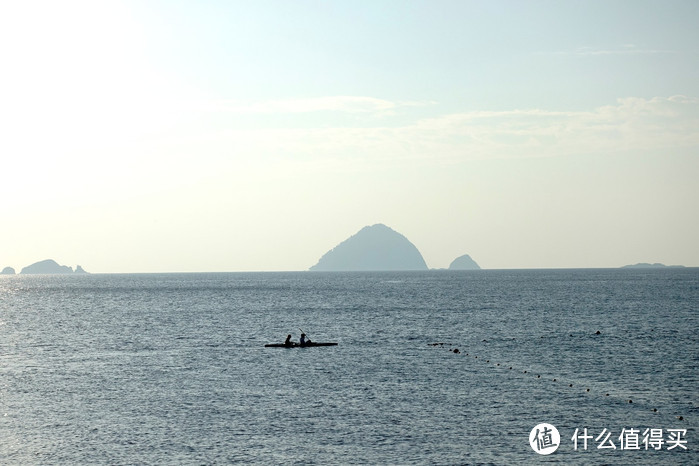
538, 376
456, 350
680, 418
554, 380
570, 385
655, 410
630, 401
598, 332
588, 389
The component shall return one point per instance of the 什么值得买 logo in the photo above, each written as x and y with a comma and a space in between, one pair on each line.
545, 439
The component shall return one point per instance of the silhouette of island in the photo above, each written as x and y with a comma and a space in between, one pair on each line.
646, 265
464, 263
7, 271
373, 248
49, 266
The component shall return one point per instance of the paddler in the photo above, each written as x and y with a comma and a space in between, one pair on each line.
304, 341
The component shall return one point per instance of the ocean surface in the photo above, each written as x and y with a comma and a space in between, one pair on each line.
172, 368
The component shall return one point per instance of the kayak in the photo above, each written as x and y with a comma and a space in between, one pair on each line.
296, 345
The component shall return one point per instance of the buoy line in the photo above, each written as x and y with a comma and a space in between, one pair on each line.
455, 350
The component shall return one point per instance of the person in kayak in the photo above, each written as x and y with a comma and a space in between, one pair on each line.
304, 341
288, 341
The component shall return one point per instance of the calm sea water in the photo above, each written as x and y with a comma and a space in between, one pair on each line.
172, 369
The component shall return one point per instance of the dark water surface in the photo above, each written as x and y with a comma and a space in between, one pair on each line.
171, 369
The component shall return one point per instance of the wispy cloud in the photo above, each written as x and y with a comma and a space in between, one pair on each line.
626, 49
662, 125
344, 104
629, 124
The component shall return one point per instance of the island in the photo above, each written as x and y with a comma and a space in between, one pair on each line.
464, 263
49, 266
373, 248
646, 265
7, 271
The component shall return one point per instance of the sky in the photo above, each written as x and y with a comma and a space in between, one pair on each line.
206, 136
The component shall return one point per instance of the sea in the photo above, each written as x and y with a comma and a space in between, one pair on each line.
436, 367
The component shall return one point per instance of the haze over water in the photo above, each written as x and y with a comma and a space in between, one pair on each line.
153, 369
216, 136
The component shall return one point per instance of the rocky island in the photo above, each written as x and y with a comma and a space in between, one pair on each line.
373, 248
7, 271
49, 266
646, 265
464, 263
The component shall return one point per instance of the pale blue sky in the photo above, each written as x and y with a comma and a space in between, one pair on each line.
497, 55
152, 136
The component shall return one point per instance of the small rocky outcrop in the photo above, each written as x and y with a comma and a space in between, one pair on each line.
7, 271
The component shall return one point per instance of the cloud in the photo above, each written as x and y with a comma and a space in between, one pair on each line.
626, 49
661, 125
630, 124
345, 104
